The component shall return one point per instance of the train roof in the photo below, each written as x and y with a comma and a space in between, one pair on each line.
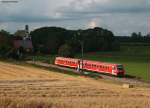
67, 58
99, 62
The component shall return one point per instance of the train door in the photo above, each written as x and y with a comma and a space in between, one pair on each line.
78, 66
113, 70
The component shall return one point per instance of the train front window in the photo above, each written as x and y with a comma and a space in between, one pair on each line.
120, 67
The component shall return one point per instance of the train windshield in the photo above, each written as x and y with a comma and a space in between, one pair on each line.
120, 67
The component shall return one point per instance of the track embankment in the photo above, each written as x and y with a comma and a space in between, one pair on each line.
132, 81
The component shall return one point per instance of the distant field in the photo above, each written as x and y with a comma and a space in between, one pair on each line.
136, 59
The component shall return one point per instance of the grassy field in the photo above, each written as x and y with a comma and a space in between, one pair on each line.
136, 59
44, 58
30, 87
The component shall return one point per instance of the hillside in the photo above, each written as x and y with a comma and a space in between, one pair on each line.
30, 87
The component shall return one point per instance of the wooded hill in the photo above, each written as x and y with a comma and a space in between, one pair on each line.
54, 39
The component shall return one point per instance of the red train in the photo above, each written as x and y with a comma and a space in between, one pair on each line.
100, 67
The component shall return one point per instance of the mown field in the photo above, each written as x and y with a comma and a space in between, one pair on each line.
31, 87
136, 59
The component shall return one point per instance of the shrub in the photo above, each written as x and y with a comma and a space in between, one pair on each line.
65, 51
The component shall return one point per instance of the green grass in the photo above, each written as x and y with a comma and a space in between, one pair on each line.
44, 58
136, 59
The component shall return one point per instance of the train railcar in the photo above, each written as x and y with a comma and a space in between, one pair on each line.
69, 62
100, 67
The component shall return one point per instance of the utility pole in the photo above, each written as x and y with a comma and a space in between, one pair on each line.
82, 47
82, 51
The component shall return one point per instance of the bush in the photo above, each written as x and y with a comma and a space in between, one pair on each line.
65, 51
116, 45
4, 49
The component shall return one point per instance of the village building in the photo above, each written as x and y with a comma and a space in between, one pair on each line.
23, 39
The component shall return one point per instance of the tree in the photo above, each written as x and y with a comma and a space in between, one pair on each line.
20, 33
136, 37
50, 38
115, 45
65, 51
5, 43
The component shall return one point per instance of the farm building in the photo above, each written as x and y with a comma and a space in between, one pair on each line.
22, 39
25, 43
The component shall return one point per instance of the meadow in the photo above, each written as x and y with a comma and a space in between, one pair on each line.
136, 59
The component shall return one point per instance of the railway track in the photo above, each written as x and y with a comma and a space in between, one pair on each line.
127, 80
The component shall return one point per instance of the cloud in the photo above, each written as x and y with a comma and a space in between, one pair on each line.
30, 10
95, 7
120, 16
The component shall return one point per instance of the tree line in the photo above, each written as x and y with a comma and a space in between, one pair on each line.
135, 37
56, 40
60, 41
5, 43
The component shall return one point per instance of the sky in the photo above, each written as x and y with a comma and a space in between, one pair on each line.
122, 17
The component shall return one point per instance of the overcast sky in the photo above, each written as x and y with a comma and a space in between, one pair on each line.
120, 16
